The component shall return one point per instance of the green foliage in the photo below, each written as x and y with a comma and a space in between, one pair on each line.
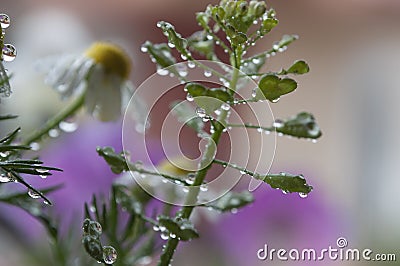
288, 183
177, 227
116, 161
232, 201
272, 87
302, 125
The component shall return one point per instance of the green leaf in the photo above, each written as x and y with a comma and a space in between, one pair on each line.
231, 201
208, 99
198, 42
174, 38
117, 162
195, 89
288, 183
186, 114
273, 87
267, 25
183, 229
285, 41
160, 53
299, 67
302, 125
253, 65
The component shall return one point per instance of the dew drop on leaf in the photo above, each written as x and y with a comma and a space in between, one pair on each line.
200, 112
225, 106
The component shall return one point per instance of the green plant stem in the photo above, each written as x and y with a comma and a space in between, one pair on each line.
69, 110
186, 211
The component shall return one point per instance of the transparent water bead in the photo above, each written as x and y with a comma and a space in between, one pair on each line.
225, 106
191, 64
144, 49
109, 254
207, 73
303, 195
4, 178
9, 52
189, 97
54, 133
200, 112
4, 21
95, 228
33, 194
278, 123
68, 126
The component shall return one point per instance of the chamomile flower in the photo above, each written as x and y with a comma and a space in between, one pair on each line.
100, 75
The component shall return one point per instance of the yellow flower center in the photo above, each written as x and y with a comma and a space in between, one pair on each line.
112, 57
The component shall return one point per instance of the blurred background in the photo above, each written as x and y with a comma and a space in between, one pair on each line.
353, 50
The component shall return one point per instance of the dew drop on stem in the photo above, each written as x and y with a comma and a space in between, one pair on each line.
9, 52
109, 254
4, 21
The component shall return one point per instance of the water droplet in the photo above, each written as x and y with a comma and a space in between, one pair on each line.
109, 254
54, 133
225, 106
200, 112
234, 210
259, 130
144, 49
275, 46
314, 141
207, 73
284, 192
33, 194
256, 60
303, 195
162, 72
92, 208
254, 93
159, 24
35, 146
4, 21
242, 172
4, 178
204, 187
171, 45
9, 52
267, 132
184, 57
95, 229
171, 235
189, 97
278, 123
191, 64
206, 119
164, 236
190, 178
68, 126
185, 190
276, 100
209, 37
